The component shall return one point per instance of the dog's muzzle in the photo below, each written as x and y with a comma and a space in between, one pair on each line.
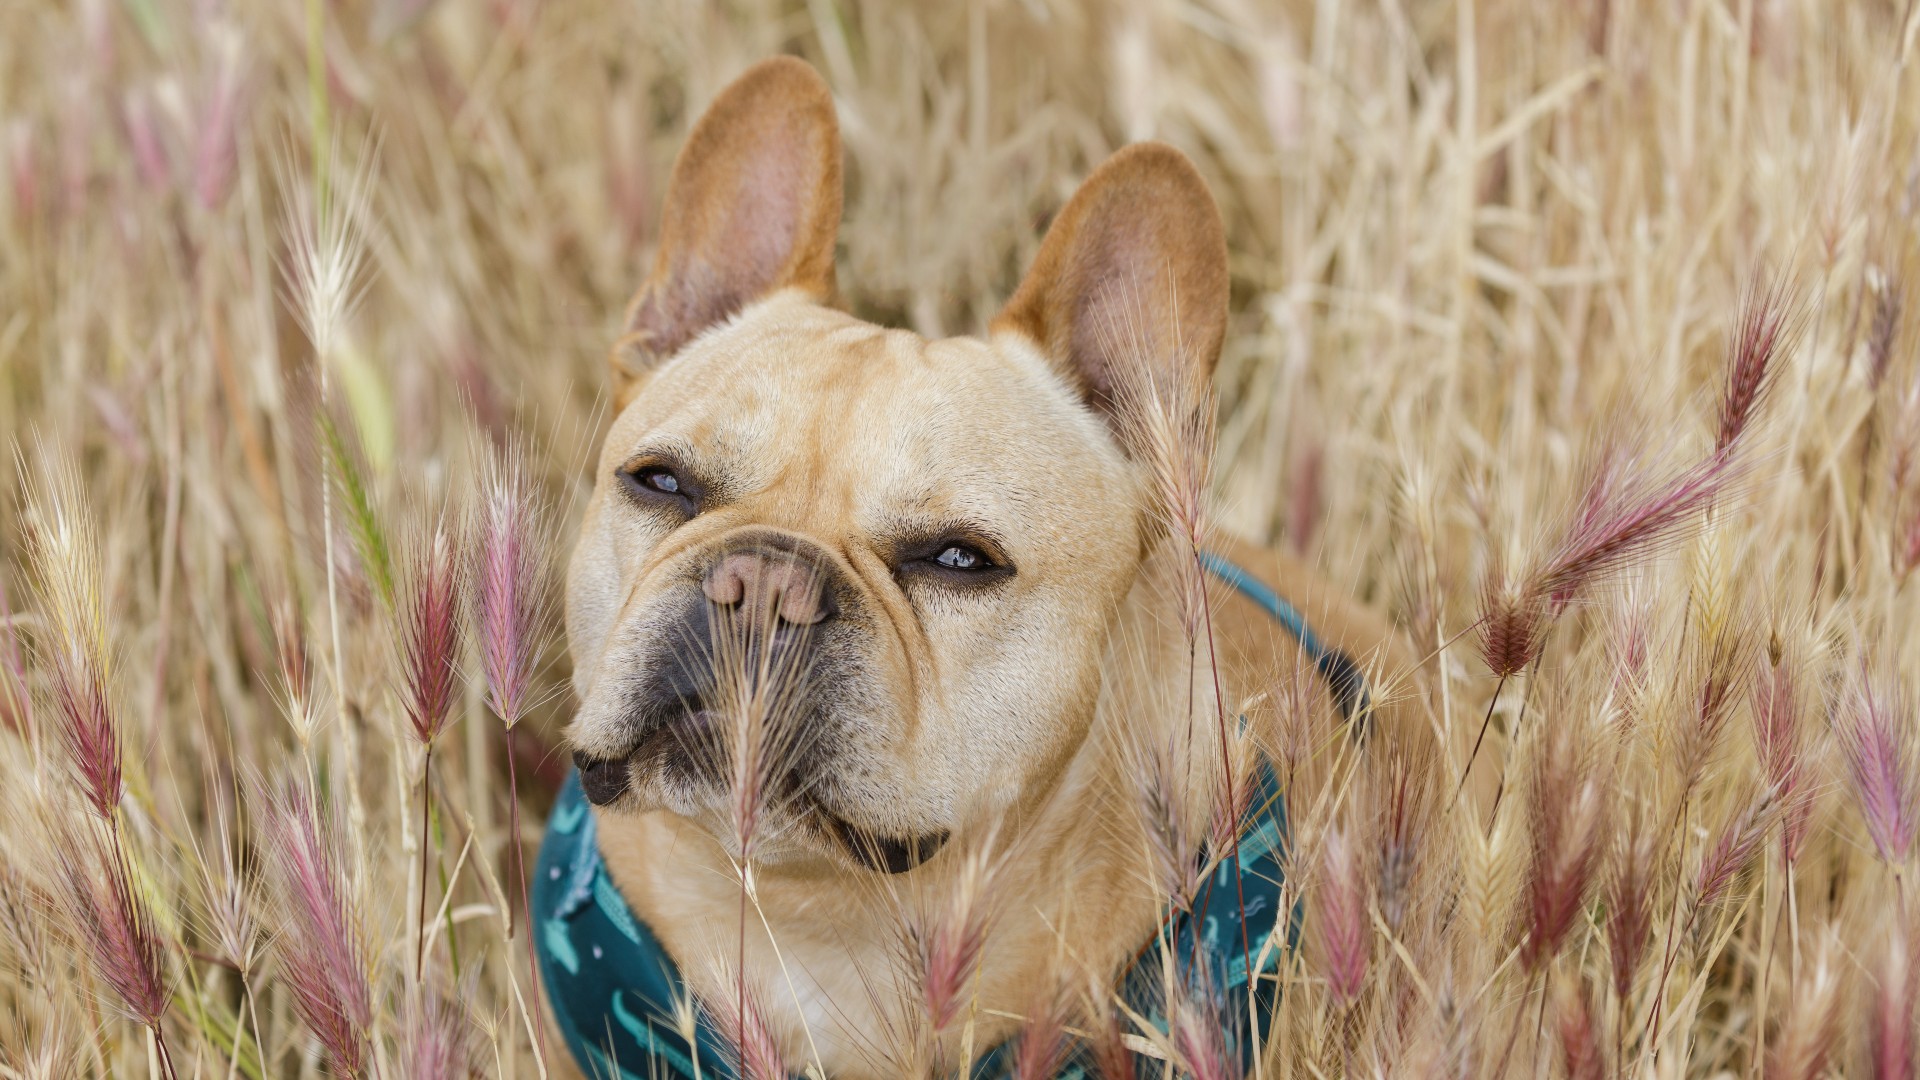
745, 640
764, 638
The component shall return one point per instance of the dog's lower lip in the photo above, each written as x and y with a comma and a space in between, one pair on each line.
887, 854
682, 740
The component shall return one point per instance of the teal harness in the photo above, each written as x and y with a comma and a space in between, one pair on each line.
626, 1013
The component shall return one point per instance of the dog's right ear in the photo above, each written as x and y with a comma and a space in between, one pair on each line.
752, 208
1129, 290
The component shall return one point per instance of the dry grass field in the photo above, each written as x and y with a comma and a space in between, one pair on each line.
1578, 335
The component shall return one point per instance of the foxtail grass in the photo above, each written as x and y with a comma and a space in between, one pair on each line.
240, 352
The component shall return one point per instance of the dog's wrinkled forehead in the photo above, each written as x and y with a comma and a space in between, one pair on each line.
829, 422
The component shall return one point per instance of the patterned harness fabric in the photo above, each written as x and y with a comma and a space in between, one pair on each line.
626, 1013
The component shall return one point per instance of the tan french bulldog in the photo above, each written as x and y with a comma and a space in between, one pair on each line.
950, 548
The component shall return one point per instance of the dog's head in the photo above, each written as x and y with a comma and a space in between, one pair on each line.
842, 585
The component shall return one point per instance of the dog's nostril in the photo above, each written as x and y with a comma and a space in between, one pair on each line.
825, 606
603, 780
726, 582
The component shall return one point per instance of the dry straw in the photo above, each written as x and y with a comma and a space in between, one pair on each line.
1499, 364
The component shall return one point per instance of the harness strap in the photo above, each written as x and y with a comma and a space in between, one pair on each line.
1344, 680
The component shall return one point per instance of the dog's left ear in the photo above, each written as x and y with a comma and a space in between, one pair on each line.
752, 208
1133, 271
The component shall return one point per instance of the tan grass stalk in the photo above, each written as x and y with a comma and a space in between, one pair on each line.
1463, 242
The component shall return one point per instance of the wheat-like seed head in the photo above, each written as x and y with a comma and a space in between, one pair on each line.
1880, 756
116, 926
1893, 1050
1767, 326
438, 1041
229, 898
1568, 808
740, 1016
1809, 1036
66, 556
429, 630
1489, 879
510, 603
1629, 901
326, 230
1043, 1039
1734, 849
1198, 1043
1580, 1036
947, 939
1462, 247
320, 941
1340, 919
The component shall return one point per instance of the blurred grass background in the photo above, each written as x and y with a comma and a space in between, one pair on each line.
1468, 239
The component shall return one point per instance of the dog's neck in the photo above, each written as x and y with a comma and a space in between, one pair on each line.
829, 955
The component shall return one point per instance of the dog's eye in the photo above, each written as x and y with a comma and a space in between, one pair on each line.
660, 480
952, 560
653, 484
961, 557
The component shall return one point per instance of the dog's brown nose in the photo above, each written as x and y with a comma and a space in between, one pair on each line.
768, 585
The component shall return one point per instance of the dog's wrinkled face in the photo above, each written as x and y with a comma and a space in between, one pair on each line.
926, 536
843, 586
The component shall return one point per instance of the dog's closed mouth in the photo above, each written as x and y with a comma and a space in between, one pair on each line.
606, 779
